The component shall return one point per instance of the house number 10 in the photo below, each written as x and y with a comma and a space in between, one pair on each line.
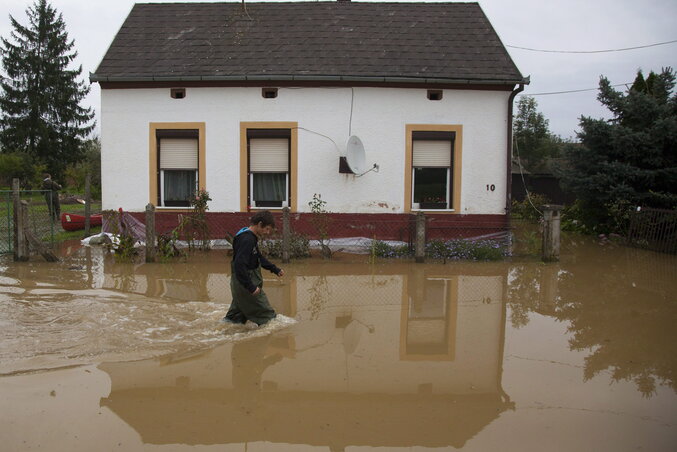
491, 187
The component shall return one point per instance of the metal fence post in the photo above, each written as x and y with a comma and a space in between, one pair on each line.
551, 232
88, 202
419, 248
286, 235
150, 233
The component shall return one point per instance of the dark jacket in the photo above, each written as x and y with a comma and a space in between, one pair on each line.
246, 256
49, 184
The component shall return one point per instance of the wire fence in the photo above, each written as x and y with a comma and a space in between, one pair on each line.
300, 235
40, 221
654, 229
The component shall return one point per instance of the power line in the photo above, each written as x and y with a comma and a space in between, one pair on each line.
593, 51
573, 90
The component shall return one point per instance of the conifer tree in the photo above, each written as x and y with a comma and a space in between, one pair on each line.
40, 98
631, 159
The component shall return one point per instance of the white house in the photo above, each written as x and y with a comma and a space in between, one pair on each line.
256, 103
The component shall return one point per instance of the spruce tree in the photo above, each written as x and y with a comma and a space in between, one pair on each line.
631, 159
41, 94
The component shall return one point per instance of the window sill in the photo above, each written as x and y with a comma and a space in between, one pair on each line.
177, 208
434, 210
265, 208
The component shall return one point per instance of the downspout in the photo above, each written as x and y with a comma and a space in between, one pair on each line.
508, 192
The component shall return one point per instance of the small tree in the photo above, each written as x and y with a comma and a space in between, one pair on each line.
631, 159
40, 95
320, 219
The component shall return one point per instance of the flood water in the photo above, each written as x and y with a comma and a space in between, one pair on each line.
518, 355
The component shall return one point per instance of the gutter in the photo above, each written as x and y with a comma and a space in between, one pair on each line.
508, 191
93, 78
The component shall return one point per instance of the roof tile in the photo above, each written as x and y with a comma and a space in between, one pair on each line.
411, 40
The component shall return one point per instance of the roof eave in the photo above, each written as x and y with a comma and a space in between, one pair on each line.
95, 78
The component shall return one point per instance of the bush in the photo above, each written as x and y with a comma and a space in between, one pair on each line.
580, 219
20, 165
383, 249
525, 211
299, 247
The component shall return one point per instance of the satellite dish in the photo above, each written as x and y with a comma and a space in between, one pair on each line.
355, 155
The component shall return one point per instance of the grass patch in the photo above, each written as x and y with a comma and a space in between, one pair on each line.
70, 235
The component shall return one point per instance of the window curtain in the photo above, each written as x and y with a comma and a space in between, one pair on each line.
270, 186
179, 185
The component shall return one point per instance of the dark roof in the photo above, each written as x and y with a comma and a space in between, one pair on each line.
420, 42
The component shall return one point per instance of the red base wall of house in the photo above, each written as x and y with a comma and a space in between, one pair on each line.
380, 226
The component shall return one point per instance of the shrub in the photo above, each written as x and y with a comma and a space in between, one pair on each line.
299, 247
577, 218
383, 249
524, 209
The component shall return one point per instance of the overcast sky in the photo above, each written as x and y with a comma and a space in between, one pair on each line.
569, 25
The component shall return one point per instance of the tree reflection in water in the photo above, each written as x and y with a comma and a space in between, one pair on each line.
619, 303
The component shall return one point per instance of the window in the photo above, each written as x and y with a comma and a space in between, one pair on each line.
178, 166
432, 170
268, 174
429, 313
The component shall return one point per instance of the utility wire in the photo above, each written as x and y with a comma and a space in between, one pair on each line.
593, 51
572, 91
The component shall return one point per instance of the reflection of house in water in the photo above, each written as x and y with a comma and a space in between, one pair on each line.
408, 356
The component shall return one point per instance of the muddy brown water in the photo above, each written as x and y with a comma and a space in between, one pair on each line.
518, 355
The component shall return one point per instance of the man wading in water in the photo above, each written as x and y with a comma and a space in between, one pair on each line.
249, 301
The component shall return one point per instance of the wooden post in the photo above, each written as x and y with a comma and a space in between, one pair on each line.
88, 202
20, 223
551, 232
286, 235
31, 239
151, 240
419, 248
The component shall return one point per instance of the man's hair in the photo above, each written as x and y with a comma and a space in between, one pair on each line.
46, 175
264, 217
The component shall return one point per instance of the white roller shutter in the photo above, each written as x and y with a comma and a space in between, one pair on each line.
178, 153
428, 331
269, 155
428, 153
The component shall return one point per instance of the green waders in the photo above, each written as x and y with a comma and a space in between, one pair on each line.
246, 306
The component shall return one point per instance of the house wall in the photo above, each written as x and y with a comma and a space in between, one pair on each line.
379, 118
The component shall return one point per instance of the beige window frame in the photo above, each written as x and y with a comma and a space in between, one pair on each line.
245, 179
153, 164
456, 171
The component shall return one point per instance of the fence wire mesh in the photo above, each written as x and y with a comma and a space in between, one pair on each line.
40, 222
377, 235
6, 222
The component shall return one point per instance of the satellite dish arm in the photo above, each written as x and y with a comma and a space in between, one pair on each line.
374, 168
